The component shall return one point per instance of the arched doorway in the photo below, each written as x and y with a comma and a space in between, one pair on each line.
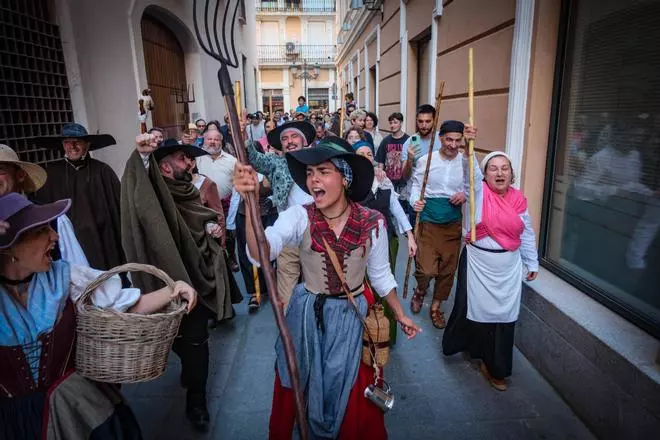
165, 66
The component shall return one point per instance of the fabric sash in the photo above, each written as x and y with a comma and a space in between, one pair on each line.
500, 217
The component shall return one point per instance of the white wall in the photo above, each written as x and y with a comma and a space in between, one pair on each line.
105, 37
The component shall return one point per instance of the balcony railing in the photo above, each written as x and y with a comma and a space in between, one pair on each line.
296, 6
296, 53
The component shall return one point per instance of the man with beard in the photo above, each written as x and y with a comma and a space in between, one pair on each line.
94, 190
218, 166
440, 221
289, 137
165, 225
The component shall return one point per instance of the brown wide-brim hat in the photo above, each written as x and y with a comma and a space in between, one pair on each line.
76, 131
23, 215
306, 128
36, 176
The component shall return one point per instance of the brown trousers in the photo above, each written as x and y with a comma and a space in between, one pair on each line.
438, 249
288, 273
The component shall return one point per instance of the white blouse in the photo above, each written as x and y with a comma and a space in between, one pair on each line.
289, 229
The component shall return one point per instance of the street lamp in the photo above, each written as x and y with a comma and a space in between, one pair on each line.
307, 72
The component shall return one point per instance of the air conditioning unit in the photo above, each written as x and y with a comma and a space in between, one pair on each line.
291, 48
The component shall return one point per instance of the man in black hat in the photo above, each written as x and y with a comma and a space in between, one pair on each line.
166, 225
94, 190
287, 138
440, 222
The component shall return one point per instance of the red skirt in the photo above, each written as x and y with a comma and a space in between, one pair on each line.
362, 420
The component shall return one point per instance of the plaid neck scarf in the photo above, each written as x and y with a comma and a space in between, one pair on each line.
355, 234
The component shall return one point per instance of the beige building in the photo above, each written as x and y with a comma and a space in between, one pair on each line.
296, 49
570, 89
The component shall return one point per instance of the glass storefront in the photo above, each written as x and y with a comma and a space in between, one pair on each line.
603, 201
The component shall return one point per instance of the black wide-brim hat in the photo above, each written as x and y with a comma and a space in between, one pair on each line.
170, 146
329, 148
305, 127
76, 131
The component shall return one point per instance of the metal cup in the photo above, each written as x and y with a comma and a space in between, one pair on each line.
381, 397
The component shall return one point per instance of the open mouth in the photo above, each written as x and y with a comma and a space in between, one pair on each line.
500, 181
318, 194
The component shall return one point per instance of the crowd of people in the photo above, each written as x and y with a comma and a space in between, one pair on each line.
328, 193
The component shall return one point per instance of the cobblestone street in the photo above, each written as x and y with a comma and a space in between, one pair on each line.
437, 397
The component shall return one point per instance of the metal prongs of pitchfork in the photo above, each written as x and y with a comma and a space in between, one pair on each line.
222, 47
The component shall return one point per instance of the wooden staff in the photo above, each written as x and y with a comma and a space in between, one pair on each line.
473, 232
341, 121
271, 113
257, 287
237, 96
429, 155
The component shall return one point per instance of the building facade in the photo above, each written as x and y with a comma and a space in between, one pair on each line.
573, 98
88, 61
296, 52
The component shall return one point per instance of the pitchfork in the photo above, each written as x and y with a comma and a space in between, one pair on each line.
222, 47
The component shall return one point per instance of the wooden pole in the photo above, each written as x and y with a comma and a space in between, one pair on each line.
438, 102
252, 209
473, 232
257, 287
237, 95
271, 113
341, 121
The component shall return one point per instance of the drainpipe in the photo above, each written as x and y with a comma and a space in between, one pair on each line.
435, 24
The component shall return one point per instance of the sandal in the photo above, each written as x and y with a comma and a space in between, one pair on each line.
438, 319
416, 302
498, 384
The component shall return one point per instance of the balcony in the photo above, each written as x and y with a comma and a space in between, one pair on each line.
291, 52
296, 6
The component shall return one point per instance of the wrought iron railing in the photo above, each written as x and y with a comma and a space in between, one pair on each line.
296, 6
296, 53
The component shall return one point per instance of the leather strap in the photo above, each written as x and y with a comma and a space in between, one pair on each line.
349, 294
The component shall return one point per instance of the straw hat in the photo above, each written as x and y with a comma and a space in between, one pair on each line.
36, 175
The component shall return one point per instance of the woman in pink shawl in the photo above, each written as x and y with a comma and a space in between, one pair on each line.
490, 273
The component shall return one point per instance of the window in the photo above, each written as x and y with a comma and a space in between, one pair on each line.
317, 98
276, 97
602, 214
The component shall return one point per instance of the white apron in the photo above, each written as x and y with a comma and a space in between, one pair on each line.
494, 285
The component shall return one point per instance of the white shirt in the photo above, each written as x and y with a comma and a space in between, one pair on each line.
255, 132
289, 229
70, 249
446, 177
219, 170
297, 196
233, 206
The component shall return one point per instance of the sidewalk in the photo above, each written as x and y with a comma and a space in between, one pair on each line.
436, 397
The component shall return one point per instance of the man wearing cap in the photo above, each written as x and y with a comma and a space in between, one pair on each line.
255, 130
289, 137
24, 178
166, 225
440, 217
94, 190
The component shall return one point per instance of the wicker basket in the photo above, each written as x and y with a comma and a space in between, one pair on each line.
119, 347
378, 327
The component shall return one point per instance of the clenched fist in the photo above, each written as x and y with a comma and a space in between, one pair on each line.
146, 143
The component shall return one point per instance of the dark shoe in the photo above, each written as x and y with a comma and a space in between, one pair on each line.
253, 304
197, 413
416, 302
233, 265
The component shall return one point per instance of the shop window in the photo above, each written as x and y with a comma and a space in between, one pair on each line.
602, 214
317, 98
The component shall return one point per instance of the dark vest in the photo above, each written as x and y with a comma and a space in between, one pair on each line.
381, 203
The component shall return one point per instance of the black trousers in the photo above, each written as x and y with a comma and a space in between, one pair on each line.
192, 347
490, 342
246, 266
